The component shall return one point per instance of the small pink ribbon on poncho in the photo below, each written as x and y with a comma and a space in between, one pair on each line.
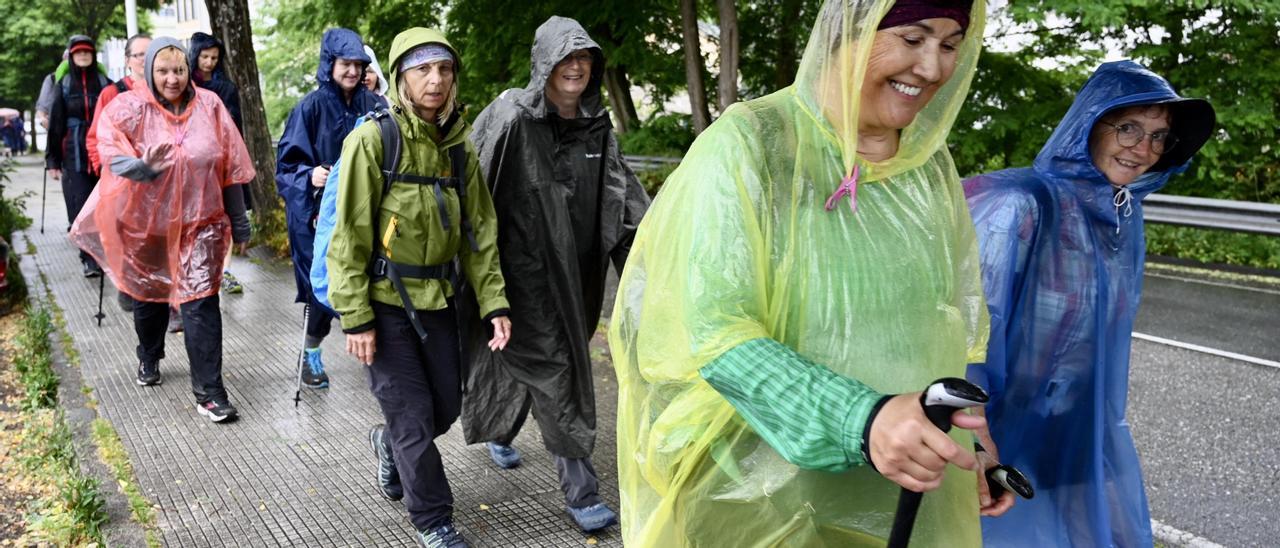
848, 186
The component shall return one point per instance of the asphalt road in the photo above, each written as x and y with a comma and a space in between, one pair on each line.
1207, 427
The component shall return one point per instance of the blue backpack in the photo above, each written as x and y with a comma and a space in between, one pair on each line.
379, 266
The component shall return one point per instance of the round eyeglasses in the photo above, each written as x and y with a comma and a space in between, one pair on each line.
1129, 135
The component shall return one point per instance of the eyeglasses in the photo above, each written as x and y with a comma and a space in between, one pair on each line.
583, 57
1129, 135
137, 55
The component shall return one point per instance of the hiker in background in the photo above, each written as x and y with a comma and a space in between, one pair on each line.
209, 71
135, 54
567, 205
75, 96
309, 147
392, 278
166, 213
373, 78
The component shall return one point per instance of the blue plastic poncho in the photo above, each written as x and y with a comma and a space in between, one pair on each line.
313, 137
1062, 269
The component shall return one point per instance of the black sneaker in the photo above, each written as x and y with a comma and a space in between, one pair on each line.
386, 476
149, 374
91, 270
218, 410
125, 302
444, 536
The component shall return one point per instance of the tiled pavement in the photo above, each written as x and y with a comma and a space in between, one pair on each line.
285, 475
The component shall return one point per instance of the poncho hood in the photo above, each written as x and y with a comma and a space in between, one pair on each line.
553, 41
338, 43
408, 40
200, 42
829, 85
1118, 85
1066, 159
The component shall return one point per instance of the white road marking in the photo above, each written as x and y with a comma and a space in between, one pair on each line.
1179, 538
1206, 350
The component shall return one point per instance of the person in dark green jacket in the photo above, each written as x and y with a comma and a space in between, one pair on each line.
417, 223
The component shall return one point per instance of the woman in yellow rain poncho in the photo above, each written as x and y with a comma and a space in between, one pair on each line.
812, 253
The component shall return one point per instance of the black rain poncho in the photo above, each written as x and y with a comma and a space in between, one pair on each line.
566, 205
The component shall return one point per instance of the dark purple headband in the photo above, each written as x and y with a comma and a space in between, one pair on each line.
905, 12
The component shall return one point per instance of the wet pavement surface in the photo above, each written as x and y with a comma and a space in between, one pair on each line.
283, 475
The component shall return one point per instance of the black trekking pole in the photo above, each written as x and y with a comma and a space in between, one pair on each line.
302, 355
102, 284
44, 194
939, 401
1003, 478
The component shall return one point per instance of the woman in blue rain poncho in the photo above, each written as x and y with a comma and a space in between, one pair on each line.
1062, 258
812, 253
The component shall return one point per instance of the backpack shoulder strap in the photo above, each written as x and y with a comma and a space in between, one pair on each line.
458, 164
391, 146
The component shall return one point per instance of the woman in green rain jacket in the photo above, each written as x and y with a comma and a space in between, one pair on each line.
416, 228
812, 254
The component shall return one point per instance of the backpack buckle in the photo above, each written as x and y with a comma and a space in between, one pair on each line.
379, 268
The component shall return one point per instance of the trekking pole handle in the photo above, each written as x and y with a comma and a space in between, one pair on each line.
942, 398
1002, 477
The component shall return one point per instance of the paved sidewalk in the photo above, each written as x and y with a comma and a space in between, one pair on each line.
285, 476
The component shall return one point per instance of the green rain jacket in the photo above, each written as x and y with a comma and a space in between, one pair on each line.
409, 229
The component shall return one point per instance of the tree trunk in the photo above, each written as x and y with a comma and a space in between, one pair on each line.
728, 53
230, 22
693, 66
35, 128
619, 88
785, 47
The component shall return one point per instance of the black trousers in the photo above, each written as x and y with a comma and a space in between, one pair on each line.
202, 333
76, 187
419, 387
319, 320
578, 477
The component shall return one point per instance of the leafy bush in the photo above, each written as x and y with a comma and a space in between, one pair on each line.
1214, 246
661, 135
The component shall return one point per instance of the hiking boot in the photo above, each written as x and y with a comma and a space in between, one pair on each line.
217, 409
444, 536
149, 374
230, 284
594, 517
125, 302
313, 373
175, 321
388, 478
505, 456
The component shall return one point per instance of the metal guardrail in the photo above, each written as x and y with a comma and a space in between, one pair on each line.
642, 163
1235, 216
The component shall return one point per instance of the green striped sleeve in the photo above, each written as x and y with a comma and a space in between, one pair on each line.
809, 414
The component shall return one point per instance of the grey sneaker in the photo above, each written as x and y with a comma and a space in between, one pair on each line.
386, 475
444, 536
505, 456
218, 410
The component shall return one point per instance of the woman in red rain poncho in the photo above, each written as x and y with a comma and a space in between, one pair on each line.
165, 213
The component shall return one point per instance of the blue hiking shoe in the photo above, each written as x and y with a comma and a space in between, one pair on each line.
313, 373
594, 517
505, 456
444, 536
387, 477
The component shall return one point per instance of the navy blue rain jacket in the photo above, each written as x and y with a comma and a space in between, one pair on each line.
313, 137
1062, 267
220, 83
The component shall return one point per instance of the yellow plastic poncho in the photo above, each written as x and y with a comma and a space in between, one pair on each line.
738, 246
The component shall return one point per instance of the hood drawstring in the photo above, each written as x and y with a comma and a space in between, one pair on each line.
1122, 199
848, 186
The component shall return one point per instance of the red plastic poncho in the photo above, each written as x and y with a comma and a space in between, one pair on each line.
164, 240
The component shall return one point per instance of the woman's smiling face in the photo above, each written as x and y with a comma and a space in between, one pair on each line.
907, 66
